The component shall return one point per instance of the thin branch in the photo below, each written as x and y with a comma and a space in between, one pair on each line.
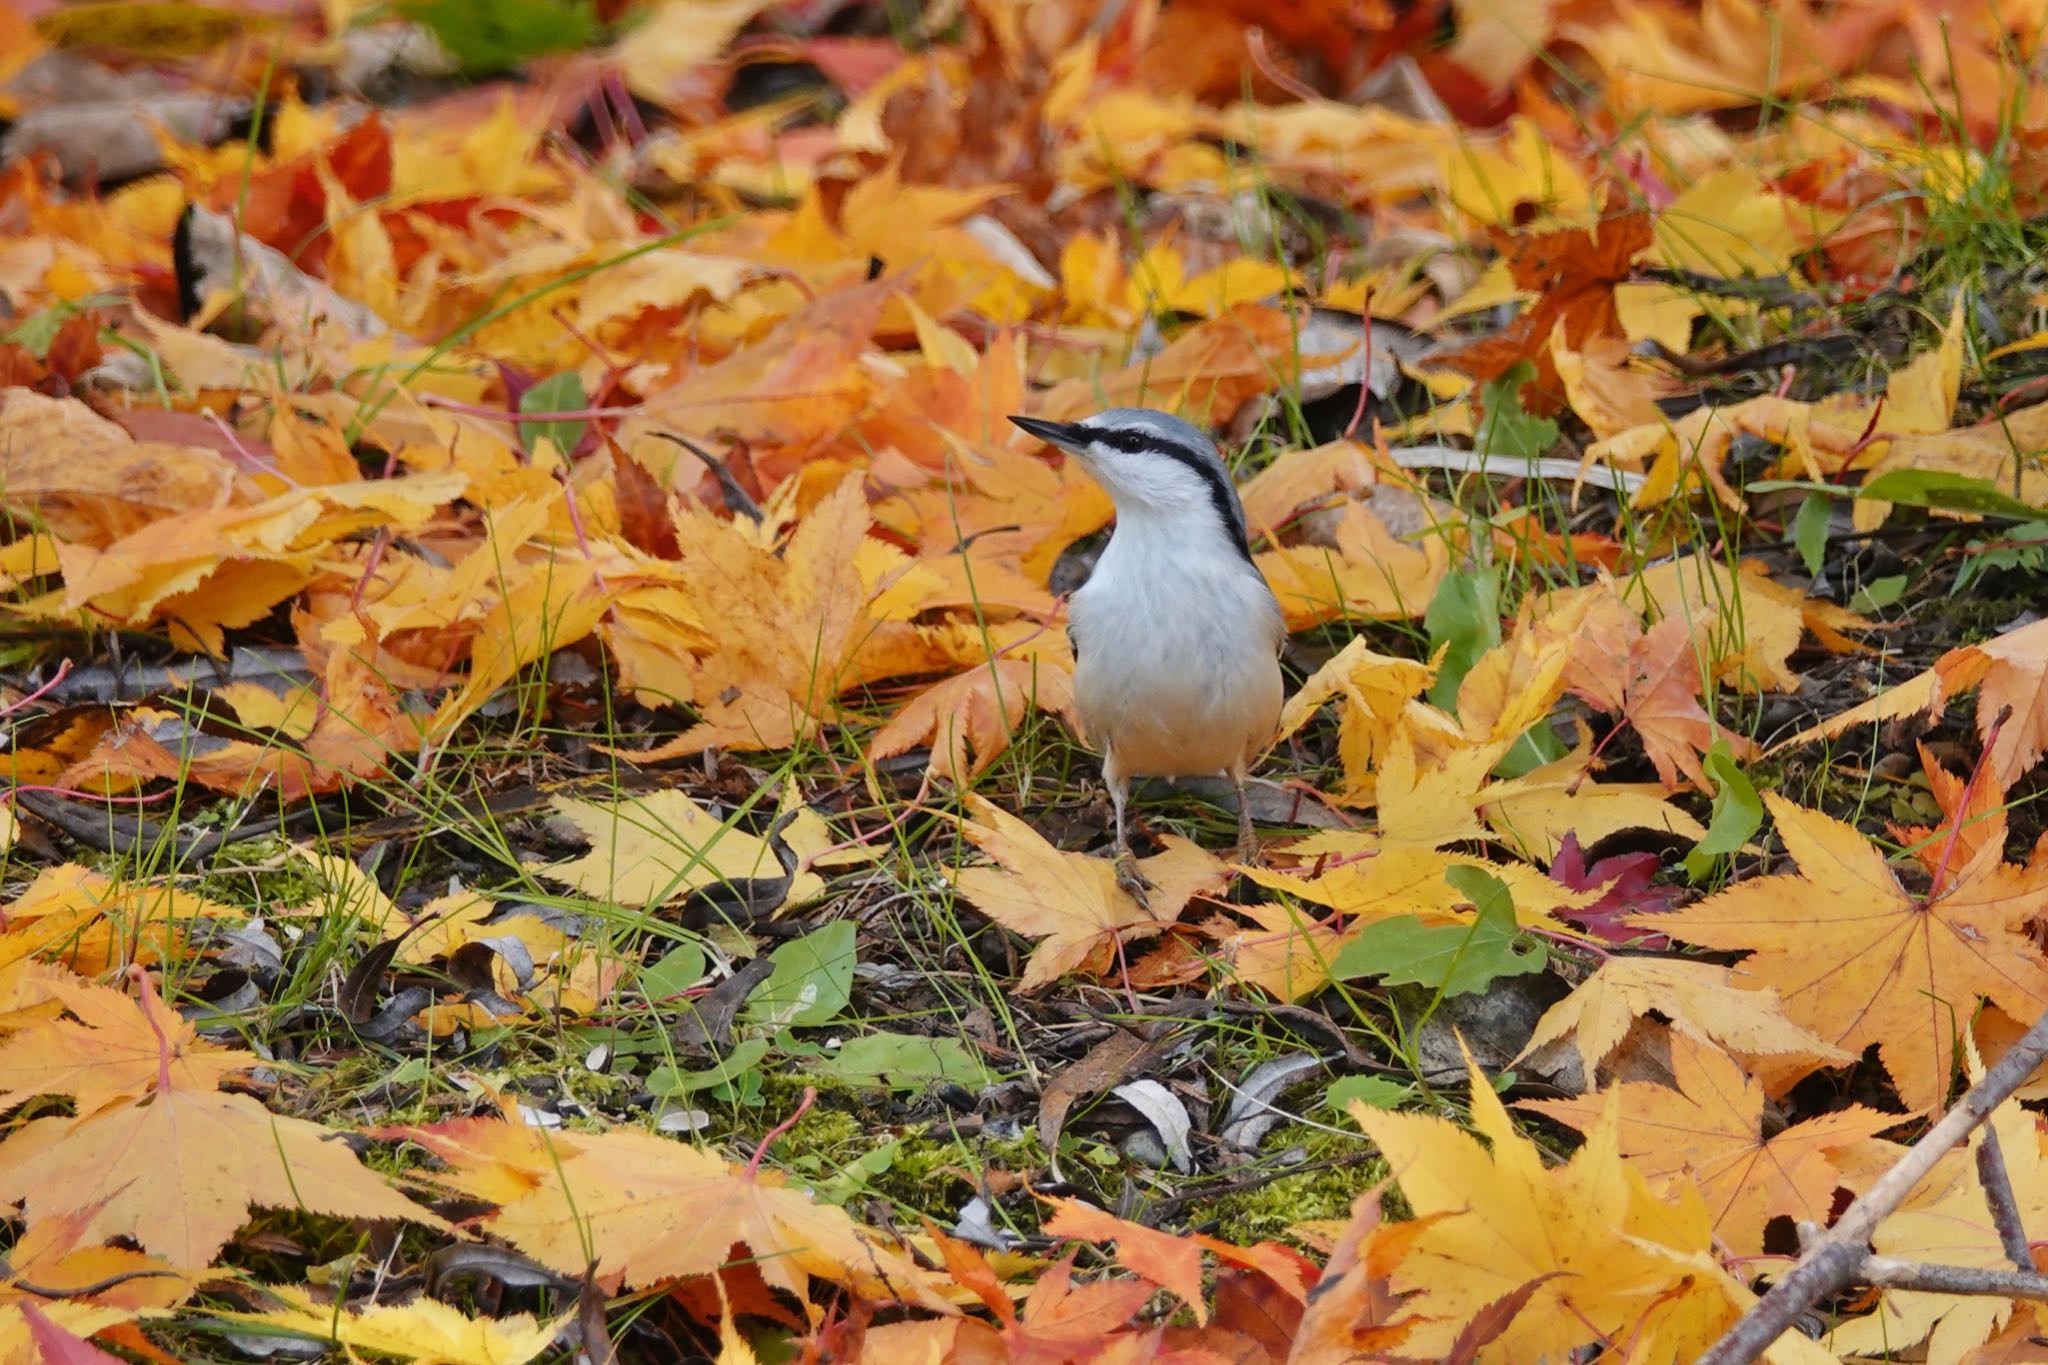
1835, 1258
1885, 1273
2004, 1204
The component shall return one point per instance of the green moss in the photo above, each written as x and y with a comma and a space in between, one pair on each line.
1972, 618
266, 876
1266, 1213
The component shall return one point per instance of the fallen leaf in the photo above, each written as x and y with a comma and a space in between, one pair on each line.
1703, 1002
656, 1209
1070, 902
1858, 960
425, 1329
968, 719
1707, 1127
648, 850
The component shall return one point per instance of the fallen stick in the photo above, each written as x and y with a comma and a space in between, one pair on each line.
1838, 1257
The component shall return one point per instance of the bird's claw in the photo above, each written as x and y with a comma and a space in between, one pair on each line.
1131, 881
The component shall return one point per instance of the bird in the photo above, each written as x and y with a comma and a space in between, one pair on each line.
1176, 634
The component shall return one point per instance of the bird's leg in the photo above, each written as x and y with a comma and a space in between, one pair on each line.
1247, 850
1129, 879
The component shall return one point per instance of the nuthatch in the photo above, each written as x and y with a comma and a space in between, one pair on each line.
1176, 635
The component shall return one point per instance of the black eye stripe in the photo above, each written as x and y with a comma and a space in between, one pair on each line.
1221, 494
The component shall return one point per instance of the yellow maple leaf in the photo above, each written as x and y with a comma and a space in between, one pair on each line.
1623, 1265
1748, 624
1377, 691
647, 850
1707, 1127
1070, 901
652, 1209
1367, 572
1371, 881
1858, 960
1701, 1000
1947, 1221
425, 1329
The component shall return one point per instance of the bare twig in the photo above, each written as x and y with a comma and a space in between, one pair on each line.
2005, 1207
1836, 1257
1886, 1273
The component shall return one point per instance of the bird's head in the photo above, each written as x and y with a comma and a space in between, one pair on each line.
1153, 465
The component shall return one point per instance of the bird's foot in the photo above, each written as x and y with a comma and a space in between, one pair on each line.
1131, 881
1246, 852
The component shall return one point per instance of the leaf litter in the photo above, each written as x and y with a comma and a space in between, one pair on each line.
655, 847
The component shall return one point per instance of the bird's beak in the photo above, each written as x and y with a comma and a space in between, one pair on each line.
1065, 435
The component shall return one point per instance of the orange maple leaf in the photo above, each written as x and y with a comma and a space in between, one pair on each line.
1707, 1125
1173, 1261
111, 1049
212, 1156
1859, 960
1572, 272
1652, 680
968, 718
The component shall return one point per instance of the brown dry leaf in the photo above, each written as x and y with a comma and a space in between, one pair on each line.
1706, 1127
1070, 901
652, 1209
91, 483
1859, 961
1702, 1002
968, 719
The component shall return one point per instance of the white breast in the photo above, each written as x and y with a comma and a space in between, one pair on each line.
1178, 638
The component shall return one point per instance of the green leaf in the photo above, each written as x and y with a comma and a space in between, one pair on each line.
2021, 547
745, 1056
850, 1178
905, 1061
557, 393
1464, 621
1879, 593
1946, 492
812, 980
1505, 428
1376, 1092
1456, 959
494, 35
675, 973
1810, 531
1738, 813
